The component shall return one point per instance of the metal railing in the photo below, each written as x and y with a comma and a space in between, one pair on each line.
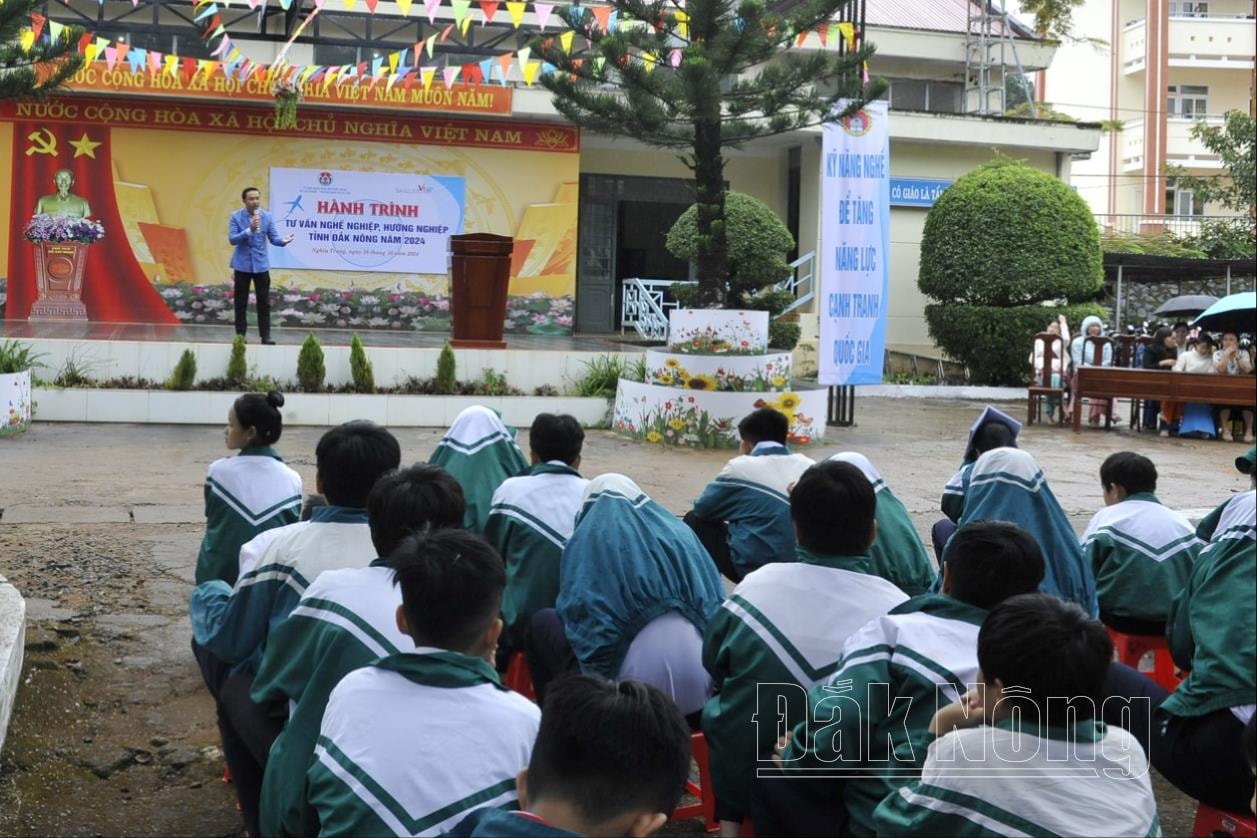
1177, 225
645, 303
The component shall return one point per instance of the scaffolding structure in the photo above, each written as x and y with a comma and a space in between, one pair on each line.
988, 46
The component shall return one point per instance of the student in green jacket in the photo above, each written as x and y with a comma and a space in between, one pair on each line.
993, 429
1212, 632
1142, 553
610, 759
896, 670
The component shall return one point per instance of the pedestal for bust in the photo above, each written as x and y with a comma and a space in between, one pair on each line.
59, 281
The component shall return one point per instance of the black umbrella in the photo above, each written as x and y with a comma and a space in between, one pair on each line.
1185, 305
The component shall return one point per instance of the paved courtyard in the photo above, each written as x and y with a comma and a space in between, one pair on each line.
113, 732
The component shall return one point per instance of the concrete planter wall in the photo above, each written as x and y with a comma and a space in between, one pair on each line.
15, 402
318, 409
12, 643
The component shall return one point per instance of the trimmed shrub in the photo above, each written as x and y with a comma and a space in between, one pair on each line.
783, 334
758, 244
446, 384
184, 374
360, 367
237, 370
311, 368
995, 341
1009, 235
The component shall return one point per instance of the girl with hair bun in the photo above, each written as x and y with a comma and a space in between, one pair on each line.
249, 493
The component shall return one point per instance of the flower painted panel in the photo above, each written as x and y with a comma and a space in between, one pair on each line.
733, 373
15, 402
708, 419
702, 331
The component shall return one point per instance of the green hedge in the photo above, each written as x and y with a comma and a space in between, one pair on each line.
995, 342
757, 241
1009, 235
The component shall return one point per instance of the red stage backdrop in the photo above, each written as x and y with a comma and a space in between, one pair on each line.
115, 288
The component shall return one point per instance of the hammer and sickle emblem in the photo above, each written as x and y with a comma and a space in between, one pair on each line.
42, 142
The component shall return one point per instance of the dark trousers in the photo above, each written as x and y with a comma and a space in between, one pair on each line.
1131, 625
247, 730
262, 289
549, 654
714, 535
940, 534
1200, 755
789, 806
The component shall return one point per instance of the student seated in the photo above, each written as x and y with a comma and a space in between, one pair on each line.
898, 554
414, 742
1212, 633
1023, 751
530, 521
785, 624
1007, 485
480, 452
611, 759
743, 516
230, 626
1141, 552
897, 670
345, 619
993, 429
636, 590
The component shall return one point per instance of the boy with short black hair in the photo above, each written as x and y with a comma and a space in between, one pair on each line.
412, 743
230, 626
530, 520
611, 759
1142, 553
786, 623
896, 669
346, 619
743, 516
1024, 751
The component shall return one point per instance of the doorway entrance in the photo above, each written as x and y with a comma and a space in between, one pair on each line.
624, 221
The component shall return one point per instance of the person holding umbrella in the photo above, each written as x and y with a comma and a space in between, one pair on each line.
1231, 360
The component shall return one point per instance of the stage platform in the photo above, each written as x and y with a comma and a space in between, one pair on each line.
104, 351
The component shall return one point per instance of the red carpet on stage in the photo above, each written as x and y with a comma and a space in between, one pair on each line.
115, 288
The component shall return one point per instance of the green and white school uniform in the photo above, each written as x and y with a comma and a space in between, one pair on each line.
751, 495
899, 669
244, 496
1212, 628
1089, 779
480, 453
898, 554
345, 620
234, 623
1142, 554
953, 502
413, 743
530, 521
784, 624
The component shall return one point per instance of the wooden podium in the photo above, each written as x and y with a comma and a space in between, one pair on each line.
480, 269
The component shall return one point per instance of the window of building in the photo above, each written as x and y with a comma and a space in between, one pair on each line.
926, 95
1182, 201
334, 55
1188, 100
1199, 8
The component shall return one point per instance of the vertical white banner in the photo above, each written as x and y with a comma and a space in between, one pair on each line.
855, 244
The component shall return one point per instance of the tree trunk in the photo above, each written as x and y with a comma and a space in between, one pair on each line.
709, 180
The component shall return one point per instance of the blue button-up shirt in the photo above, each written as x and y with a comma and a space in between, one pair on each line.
250, 248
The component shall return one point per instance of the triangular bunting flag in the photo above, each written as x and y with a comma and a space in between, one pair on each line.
565, 40
823, 32
485, 70
204, 67
55, 31
505, 60
614, 20
683, 24
530, 72
137, 58
445, 33
376, 64
675, 58
426, 74
650, 60
450, 73
37, 24
471, 73
464, 26
600, 61
515, 8
403, 6
84, 41
489, 8
208, 11
101, 43
26, 40
602, 14
431, 7
394, 59
542, 11
349, 4
429, 44
848, 33
371, 4
122, 49
460, 8
523, 55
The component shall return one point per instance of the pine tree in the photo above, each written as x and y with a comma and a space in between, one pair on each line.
736, 78
43, 67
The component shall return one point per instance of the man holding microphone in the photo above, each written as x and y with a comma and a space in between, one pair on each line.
248, 230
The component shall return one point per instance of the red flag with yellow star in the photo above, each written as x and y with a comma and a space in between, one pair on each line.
115, 287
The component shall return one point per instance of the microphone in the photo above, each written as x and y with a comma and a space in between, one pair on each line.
253, 214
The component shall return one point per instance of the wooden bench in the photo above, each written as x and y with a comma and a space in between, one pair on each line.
1162, 385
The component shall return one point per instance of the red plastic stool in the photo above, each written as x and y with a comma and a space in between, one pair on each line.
1214, 823
1149, 653
518, 678
705, 808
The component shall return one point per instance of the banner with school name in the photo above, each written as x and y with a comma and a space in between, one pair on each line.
855, 245
365, 221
